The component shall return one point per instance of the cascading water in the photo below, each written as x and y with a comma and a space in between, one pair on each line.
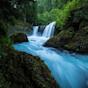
47, 33
69, 70
35, 30
49, 30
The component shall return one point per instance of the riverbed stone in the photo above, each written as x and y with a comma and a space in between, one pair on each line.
19, 38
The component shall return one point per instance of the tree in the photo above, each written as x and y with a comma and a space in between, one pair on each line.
28, 10
47, 5
16, 9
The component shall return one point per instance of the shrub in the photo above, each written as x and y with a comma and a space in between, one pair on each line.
58, 15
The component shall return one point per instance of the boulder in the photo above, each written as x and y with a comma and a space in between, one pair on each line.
74, 34
19, 38
22, 70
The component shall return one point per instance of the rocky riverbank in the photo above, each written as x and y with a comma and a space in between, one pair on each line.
73, 36
21, 70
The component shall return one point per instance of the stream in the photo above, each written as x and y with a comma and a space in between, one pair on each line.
70, 70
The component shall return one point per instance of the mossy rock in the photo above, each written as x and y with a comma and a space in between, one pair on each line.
23, 70
62, 38
74, 34
19, 38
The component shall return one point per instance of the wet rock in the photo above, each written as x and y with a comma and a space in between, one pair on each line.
74, 34
26, 71
19, 38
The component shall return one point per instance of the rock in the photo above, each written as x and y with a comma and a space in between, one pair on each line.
74, 34
79, 42
61, 39
22, 70
41, 28
19, 38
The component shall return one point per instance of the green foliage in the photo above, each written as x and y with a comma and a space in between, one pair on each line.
43, 18
59, 15
65, 13
18, 9
47, 5
4, 43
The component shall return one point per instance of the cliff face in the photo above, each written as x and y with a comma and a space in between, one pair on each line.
21, 70
74, 34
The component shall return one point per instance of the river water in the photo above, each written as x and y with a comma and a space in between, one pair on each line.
69, 70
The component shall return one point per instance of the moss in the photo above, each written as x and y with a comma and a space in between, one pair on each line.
23, 70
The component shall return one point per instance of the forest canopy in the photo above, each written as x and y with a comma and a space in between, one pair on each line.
37, 12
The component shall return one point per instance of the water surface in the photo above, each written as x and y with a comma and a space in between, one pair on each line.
69, 70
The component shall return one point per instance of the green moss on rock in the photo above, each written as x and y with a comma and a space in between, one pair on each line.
22, 70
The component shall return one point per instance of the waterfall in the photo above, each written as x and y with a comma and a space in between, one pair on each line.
49, 30
47, 33
35, 30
